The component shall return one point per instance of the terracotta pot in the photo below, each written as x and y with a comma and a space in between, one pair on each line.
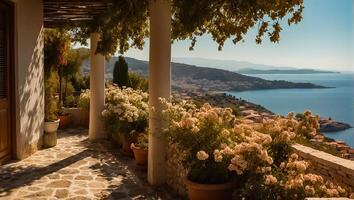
140, 155
127, 141
197, 191
65, 121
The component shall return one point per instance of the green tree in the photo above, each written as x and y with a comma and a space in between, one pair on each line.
72, 72
138, 82
120, 73
56, 48
56, 43
60, 58
126, 23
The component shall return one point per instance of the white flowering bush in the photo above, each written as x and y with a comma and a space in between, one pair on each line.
286, 130
200, 132
290, 180
262, 155
126, 110
217, 146
142, 141
308, 124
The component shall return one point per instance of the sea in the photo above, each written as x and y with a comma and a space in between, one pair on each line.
337, 102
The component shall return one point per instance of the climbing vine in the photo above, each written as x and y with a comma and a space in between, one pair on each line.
126, 23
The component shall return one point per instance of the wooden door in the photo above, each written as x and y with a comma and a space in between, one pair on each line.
6, 69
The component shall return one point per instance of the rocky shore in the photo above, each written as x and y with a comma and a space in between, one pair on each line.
257, 113
328, 125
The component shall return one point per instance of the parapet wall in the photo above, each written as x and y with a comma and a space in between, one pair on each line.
79, 117
331, 167
338, 170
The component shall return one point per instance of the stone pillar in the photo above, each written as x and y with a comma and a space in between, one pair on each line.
97, 86
159, 86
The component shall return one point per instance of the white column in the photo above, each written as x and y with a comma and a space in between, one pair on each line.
29, 72
97, 85
159, 85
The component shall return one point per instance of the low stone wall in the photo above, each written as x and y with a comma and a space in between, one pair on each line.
338, 170
79, 117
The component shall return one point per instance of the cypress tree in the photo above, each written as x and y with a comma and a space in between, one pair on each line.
120, 73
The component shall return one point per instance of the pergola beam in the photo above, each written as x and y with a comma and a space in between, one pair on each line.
58, 13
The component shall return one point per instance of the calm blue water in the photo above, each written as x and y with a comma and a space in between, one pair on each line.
337, 103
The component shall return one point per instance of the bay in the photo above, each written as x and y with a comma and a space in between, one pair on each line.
337, 103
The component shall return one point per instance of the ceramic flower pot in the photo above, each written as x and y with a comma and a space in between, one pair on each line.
126, 144
65, 121
50, 133
50, 127
197, 191
140, 155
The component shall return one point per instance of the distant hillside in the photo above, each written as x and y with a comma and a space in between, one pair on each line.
231, 65
245, 67
209, 79
283, 71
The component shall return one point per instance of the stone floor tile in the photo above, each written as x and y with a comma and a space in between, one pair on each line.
77, 169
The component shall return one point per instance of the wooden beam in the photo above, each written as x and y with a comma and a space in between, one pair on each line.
70, 12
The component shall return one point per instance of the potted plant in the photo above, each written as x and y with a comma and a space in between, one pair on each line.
65, 119
127, 140
140, 149
51, 123
56, 45
125, 114
69, 74
201, 133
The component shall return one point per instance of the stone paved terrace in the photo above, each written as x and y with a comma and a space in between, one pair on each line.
76, 169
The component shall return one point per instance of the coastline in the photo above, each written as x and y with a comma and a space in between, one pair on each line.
336, 103
255, 112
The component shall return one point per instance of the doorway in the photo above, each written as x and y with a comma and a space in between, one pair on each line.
7, 129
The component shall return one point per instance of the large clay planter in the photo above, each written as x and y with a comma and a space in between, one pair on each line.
140, 155
50, 133
197, 191
65, 121
126, 144
79, 117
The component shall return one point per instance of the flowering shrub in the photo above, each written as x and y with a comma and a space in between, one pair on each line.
290, 180
126, 110
200, 131
142, 141
293, 178
264, 158
214, 146
308, 125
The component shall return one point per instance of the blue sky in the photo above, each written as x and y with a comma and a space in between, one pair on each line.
323, 40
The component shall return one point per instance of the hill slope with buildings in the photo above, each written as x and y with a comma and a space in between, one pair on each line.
191, 77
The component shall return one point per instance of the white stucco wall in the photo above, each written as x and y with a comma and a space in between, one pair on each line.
29, 61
